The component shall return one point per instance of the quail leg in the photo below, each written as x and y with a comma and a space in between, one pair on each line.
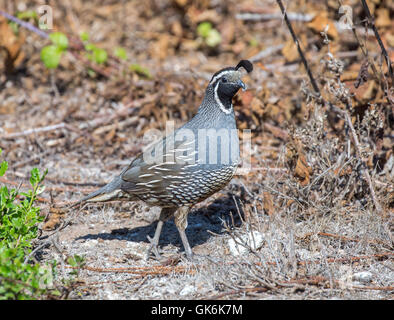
186, 245
181, 224
154, 242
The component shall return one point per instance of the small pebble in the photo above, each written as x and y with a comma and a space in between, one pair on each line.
254, 241
189, 289
364, 276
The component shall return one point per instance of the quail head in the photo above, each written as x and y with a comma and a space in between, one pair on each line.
187, 166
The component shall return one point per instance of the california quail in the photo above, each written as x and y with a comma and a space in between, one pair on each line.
189, 165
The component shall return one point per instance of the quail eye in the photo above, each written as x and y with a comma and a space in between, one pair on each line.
224, 80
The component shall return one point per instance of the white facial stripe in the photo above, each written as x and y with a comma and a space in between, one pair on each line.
221, 74
217, 99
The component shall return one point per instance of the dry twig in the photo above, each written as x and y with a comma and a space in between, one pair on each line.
371, 21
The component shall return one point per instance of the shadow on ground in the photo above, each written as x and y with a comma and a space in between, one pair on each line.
201, 222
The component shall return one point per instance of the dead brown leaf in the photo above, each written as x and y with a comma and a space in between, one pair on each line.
383, 18
54, 219
320, 22
268, 203
12, 45
298, 163
290, 51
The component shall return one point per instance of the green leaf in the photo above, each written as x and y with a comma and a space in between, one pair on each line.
44, 175
59, 39
91, 73
3, 168
50, 56
27, 15
253, 42
100, 55
84, 36
213, 38
72, 261
203, 29
34, 176
140, 70
14, 27
40, 189
90, 47
120, 53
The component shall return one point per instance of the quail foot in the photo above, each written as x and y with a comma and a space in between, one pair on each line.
187, 166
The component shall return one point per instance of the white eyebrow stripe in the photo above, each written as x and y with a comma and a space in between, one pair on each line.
221, 106
221, 74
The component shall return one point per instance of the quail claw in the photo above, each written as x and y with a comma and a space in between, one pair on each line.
152, 247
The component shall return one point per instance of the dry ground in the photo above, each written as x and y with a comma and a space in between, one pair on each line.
304, 215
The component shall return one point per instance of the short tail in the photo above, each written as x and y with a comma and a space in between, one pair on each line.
111, 191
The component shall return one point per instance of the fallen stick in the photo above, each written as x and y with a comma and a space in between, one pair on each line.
145, 271
342, 238
123, 112
33, 158
164, 270
266, 52
54, 188
28, 132
294, 16
315, 281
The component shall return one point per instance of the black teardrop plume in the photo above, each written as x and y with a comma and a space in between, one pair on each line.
246, 64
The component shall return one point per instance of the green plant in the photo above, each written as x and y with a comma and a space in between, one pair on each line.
253, 42
94, 53
77, 262
84, 36
120, 53
26, 15
51, 54
210, 36
23, 15
20, 279
140, 70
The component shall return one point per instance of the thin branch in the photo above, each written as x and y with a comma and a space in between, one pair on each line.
378, 75
266, 52
371, 21
294, 16
357, 146
145, 271
25, 24
57, 188
304, 61
342, 238
125, 111
316, 281
53, 127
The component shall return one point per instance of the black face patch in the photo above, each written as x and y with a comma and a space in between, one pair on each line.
227, 89
224, 93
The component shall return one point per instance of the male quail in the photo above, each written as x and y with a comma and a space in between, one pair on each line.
187, 166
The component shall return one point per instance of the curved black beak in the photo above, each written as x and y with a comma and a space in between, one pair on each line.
242, 85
